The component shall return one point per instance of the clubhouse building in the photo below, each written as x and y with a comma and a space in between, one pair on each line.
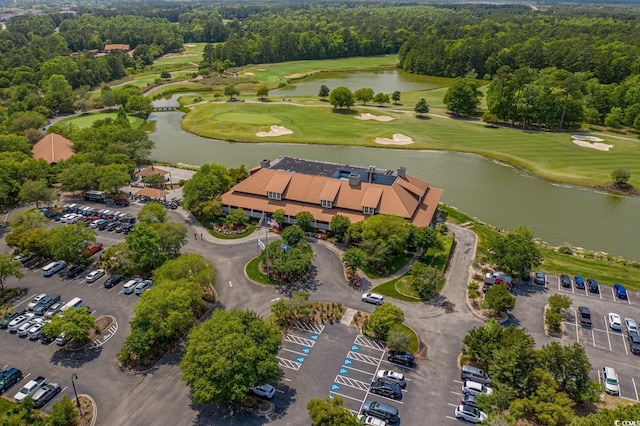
327, 189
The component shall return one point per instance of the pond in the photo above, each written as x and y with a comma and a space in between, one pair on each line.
495, 193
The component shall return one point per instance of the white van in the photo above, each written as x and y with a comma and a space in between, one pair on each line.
76, 302
53, 268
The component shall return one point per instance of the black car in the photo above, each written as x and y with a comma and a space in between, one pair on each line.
104, 224
593, 286
121, 227
75, 271
45, 340
566, 281
113, 280
387, 389
112, 225
4, 322
403, 358
634, 342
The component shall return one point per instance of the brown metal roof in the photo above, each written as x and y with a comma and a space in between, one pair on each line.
152, 192
53, 148
110, 47
407, 197
151, 170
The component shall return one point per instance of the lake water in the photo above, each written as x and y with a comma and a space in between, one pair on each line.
493, 192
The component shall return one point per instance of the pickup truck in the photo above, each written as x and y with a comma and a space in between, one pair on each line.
30, 388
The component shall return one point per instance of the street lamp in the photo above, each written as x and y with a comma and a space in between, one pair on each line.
75, 376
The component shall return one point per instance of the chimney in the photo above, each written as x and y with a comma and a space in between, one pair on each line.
370, 174
264, 164
354, 179
402, 172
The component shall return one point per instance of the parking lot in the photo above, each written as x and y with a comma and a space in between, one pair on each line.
336, 360
603, 345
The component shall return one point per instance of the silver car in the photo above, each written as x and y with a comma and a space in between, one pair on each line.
470, 414
95, 275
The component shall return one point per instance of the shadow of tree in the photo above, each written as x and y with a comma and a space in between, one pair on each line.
75, 359
308, 283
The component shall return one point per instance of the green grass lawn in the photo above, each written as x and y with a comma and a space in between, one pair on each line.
86, 120
551, 156
280, 72
413, 340
249, 231
253, 272
606, 272
390, 289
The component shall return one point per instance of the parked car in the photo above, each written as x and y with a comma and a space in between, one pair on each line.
35, 331
265, 390
143, 286
95, 275
593, 285
469, 372
30, 388
45, 394
10, 316
112, 225
8, 378
584, 316
62, 339
620, 291
392, 377
35, 301
376, 299
475, 388
76, 271
23, 330
634, 342
130, 286
45, 303
540, 279
614, 321
53, 309
121, 202
17, 322
104, 224
24, 258
469, 399
384, 388
371, 421
579, 282
403, 358
380, 410
95, 223
470, 414
113, 280
92, 249
610, 381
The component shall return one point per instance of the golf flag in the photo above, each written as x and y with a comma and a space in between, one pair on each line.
272, 222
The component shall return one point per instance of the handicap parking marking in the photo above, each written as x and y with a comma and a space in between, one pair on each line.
363, 358
370, 343
298, 340
343, 371
347, 361
306, 350
314, 336
335, 387
355, 348
300, 359
283, 362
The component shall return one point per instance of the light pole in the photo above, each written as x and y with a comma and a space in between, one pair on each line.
75, 376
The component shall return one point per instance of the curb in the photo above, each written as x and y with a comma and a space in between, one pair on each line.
244, 271
482, 317
97, 337
94, 407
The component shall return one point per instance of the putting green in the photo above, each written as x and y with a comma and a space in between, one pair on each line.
247, 118
86, 120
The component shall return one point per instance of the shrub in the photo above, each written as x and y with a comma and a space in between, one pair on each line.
565, 250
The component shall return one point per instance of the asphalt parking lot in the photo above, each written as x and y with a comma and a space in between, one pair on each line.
603, 346
336, 360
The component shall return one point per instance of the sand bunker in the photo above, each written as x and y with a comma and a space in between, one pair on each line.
591, 142
367, 116
248, 73
191, 45
587, 138
398, 139
275, 131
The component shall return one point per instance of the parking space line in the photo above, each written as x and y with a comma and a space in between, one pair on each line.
404, 367
299, 340
358, 370
608, 338
350, 397
369, 342
390, 399
635, 390
26, 300
628, 298
613, 294
367, 394
575, 314
458, 381
599, 291
285, 379
363, 358
624, 343
293, 365
456, 393
453, 405
295, 352
593, 337
451, 418
279, 391
356, 384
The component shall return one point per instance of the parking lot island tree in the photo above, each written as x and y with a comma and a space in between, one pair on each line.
37, 191
383, 318
424, 280
75, 323
9, 268
63, 413
330, 412
152, 213
286, 265
146, 247
67, 242
398, 339
499, 299
516, 252
191, 266
353, 259
287, 312
228, 354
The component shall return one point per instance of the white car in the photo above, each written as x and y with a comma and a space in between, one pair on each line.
631, 325
18, 321
95, 223
376, 299
264, 390
130, 286
475, 388
95, 275
371, 421
615, 322
35, 301
392, 376
36, 330
470, 414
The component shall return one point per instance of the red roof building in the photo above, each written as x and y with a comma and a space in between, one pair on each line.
109, 47
53, 148
326, 189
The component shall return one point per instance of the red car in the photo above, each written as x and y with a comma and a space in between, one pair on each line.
121, 202
93, 249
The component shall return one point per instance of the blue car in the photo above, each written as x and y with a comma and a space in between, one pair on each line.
579, 282
621, 292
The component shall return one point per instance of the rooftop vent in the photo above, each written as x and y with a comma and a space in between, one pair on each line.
265, 164
402, 172
354, 180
